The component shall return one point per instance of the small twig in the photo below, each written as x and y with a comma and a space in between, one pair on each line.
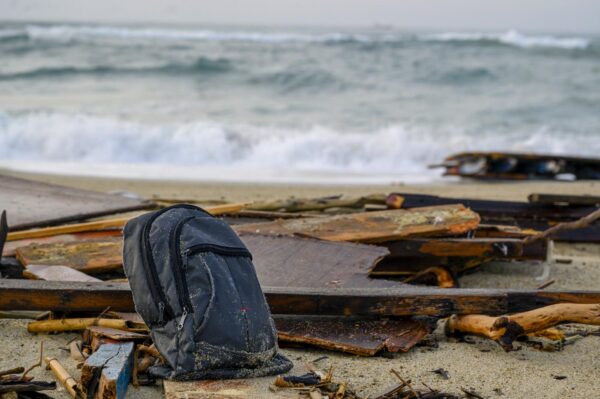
577, 224
405, 382
15, 370
471, 394
38, 364
545, 285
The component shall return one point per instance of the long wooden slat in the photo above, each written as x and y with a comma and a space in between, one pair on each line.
35, 204
468, 247
401, 301
491, 209
108, 224
376, 226
564, 199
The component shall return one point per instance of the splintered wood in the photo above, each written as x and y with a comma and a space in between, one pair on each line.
88, 257
378, 226
107, 372
356, 336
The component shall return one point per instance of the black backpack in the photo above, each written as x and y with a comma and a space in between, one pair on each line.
194, 284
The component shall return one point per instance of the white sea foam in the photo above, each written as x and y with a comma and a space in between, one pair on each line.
83, 32
70, 32
95, 145
513, 38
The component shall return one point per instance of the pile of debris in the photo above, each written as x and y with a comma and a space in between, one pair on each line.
359, 281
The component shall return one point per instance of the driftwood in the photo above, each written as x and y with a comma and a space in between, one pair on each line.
403, 300
505, 329
106, 373
377, 226
63, 377
80, 324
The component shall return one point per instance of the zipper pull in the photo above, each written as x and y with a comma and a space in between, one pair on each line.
182, 320
186, 255
161, 313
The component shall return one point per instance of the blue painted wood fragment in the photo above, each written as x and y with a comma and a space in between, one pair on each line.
107, 372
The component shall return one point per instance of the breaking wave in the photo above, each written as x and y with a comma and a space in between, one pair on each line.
513, 38
56, 137
68, 33
202, 65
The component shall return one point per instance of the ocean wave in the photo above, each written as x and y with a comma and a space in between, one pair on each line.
201, 65
512, 38
68, 33
57, 137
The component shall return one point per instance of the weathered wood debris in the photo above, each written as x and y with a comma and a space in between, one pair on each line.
348, 274
513, 166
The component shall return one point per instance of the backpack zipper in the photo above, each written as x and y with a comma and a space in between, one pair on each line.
179, 272
164, 309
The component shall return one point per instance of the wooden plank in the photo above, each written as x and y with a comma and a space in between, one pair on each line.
86, 256
3, 232
57, 273
376, 226
491, 209
107, 372
362, 337
35, 204
107, 224
10, 248
249, 388
283, 261
468, 247
400, 301
564, 199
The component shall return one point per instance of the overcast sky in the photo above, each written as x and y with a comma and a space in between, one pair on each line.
525, 15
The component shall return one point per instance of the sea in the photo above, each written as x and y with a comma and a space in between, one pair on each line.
291, 105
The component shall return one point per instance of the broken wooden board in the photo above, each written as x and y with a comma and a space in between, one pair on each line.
10, 248
564, 199
515, 166
282, 261
491, 209
468, 248
35, 204
249, 388
403, 300
528, 216
57, 273
96, 336
86, 256
107, 372
362, 337
378, 226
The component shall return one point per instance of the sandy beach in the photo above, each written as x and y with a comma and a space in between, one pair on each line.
479, 365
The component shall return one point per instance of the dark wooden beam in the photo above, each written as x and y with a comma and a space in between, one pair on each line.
400, 301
